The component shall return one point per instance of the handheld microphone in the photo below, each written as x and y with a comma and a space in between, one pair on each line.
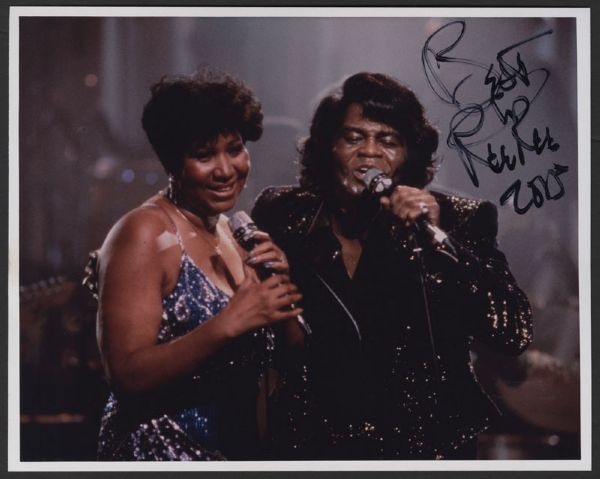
243, 229
379, 184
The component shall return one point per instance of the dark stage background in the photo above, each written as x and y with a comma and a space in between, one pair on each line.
84, 161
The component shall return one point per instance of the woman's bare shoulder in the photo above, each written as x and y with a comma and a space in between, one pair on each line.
142, 230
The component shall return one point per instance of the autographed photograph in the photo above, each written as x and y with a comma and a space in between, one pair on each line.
287, 238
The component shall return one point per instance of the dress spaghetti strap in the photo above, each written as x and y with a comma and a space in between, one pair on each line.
171, 220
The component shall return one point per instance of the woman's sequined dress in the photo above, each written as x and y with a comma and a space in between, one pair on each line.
209, 416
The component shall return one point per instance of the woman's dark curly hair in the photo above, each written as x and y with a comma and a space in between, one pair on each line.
383, 100
186, 112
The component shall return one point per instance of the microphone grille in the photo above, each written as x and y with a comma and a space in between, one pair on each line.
370, 175
239, 219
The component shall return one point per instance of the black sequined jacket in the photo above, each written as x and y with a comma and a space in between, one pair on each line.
377, 378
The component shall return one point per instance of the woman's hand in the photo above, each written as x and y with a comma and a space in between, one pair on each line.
257, 304
267, 253
408, 204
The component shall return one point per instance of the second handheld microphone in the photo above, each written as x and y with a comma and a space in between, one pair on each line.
243, 229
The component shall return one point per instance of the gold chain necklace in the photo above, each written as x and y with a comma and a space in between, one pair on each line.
218, 256
169, 195
214, 246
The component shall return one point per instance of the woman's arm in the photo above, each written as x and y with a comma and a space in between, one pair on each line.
135, 263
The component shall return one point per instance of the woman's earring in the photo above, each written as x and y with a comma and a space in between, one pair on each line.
171, 189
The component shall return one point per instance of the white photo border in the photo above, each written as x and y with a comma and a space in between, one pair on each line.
582, 16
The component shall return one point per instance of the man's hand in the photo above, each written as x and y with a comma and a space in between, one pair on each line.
408, 203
